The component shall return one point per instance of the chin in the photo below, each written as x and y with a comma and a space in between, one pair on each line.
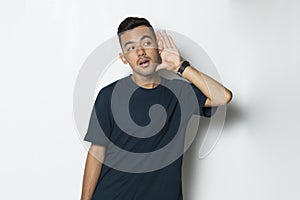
145, 73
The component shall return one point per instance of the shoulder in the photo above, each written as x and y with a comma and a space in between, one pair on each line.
105, 93
107, 90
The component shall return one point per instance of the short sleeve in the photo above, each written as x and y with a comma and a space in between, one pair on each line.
204, 111
100, 127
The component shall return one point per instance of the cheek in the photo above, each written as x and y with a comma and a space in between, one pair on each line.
154, 54
130, 58
149, 51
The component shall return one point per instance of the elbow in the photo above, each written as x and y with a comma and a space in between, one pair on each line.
223, 99
228, 96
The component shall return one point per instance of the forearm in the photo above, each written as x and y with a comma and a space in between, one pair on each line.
92, 171
215, 92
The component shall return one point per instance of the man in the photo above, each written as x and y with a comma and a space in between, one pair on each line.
111, 174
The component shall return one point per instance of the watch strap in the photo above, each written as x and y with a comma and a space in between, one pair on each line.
182, 67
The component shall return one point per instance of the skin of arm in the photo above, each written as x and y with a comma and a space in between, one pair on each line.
215, 92
93, 165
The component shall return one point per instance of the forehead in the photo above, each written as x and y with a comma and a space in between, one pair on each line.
136, 34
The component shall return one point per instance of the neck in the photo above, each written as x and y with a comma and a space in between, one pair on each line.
147, 82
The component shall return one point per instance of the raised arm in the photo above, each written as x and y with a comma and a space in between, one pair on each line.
215, 92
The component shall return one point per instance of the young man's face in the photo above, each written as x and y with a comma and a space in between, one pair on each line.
140, 50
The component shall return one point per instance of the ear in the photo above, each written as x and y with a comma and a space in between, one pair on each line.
122, 57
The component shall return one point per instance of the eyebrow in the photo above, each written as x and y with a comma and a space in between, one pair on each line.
130, 42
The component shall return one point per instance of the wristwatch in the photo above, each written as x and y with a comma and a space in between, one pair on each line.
182, 67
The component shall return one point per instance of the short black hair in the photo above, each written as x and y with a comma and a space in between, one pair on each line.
131, 23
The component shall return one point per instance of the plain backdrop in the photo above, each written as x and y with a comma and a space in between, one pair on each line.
254, 45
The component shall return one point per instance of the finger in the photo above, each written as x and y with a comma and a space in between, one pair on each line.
160, 45
158, 35
160, 41
166, 40
172, 43
163, 39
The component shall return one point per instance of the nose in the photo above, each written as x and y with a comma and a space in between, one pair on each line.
141, 51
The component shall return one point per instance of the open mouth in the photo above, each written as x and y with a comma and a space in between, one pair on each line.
144, 62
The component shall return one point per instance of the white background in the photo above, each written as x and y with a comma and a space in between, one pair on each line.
253, 43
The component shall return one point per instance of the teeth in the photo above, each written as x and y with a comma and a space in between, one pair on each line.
144, 62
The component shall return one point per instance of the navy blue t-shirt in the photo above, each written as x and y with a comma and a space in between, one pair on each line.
144, 132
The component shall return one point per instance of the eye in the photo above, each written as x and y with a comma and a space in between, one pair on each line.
130, 48
147, 43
